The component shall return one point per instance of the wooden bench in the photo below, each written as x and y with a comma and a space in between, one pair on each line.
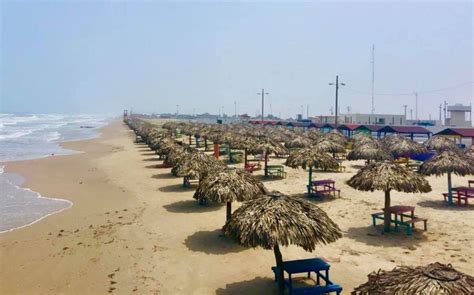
458, 197
276, 171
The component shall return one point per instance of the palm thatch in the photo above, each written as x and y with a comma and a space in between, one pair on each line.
274, 219
267, 146
368, 152
441, 143
388, 176
469, 153
363, 139
330, 145
297, 142
432, 279
405, 147
197, 165
336, 136
227, 186
447, 162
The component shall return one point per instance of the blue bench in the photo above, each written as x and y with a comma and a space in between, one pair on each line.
308, 266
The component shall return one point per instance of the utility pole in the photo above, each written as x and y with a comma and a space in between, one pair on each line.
440, 107
405, 107
411, 114
416, 105
235, 109
445, 111
373, 78
263, 101
337, 91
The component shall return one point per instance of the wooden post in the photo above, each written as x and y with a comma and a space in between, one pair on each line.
266, 163
310, 179
279, 272
228, 211
387, 214
450, 190
216, 151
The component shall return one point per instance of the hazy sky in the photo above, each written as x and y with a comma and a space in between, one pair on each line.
102, 57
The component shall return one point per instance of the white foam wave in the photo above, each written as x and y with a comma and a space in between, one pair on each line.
16, 134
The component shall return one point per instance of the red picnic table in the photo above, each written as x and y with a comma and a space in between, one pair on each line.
462, 193
324, 186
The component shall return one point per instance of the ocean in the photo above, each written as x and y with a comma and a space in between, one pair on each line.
31, 136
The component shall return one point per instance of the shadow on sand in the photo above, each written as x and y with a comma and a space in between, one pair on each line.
315, 199
175, 188
191, 206
256, 286
212, 242
163, 175
374, 236
148, 154
152, 159
442, 205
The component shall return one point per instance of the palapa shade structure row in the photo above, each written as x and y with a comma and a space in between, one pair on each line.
312, 158
432, 279
273, 220
447, 162
388, 176
227, 186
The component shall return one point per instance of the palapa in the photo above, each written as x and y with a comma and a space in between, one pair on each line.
227, 186
447, 162
432, 279
311, 158
274, 220
441, 143
368, 151
387, 176
197, 165
267, 146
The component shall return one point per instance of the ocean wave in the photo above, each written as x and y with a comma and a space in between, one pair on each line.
16, 134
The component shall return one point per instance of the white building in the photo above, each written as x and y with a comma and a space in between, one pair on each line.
370, 119
459, 116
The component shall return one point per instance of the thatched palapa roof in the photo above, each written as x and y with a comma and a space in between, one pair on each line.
386, 176
275, 219
311, 157
368, 152
447, 162
433, 279
229, 185
197, 165
440, 143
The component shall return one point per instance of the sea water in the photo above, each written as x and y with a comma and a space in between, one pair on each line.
30, 136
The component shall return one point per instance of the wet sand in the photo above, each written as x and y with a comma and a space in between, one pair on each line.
133, 229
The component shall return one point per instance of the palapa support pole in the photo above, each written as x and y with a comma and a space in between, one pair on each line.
450, 189
245, 157
279, 271
190, 140
310, 179
229, 153
386, 213
228, 211
216, 151
266, 163
197, 141
205, 143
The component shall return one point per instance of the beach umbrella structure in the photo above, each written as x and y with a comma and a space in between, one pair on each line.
196, 165
297, 142
440, 144
243, 142
273, 220
331, 145
387, 176
266, 147
469, 153
369, 152
311, 158
432, 279
227, 186
404, 147
447, 162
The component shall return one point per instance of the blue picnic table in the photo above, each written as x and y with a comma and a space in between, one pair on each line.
316, 265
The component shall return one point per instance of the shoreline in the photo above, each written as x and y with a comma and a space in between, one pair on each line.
68, 152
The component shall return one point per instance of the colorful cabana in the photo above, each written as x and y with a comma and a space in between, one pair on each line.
410, 131
458, 133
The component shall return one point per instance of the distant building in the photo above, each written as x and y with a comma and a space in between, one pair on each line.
459, 116
371, 119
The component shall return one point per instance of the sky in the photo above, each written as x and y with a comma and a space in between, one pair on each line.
103, 57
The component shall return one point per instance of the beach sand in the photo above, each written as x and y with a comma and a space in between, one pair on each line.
134, 230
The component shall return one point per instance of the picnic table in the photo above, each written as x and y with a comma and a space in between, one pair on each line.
403, 216
461, 193
324, 186
308, 266
278, 170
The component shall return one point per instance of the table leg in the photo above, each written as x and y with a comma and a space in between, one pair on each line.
412, 217
396, 222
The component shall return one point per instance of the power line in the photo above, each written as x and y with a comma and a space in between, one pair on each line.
411, 93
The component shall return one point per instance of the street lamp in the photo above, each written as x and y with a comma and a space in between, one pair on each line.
263, 100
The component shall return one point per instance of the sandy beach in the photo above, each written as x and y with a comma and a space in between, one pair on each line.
133, 229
